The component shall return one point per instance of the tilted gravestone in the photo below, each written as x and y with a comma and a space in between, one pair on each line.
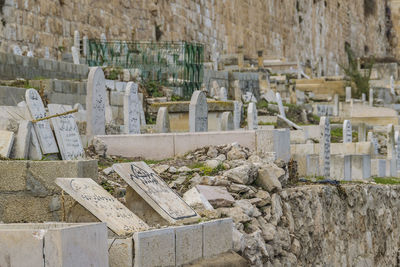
325, 147
96, 102
280, 105
237, 114
347, 132
102, 205
67, 133
149, 186
162, 122
227, 121
6, 143
252, 118
131, 109
43, 130
198, 112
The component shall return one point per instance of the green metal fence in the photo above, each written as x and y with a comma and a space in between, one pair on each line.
175, 64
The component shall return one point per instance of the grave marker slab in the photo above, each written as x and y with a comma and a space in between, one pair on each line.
43, 131
397, 141
280, 105
371, 97
325, 147
347, 132
223, 94
67, 133
75, 55
371, 138
198, 112
362, 132
155, 191
131, 109
85, 42
227, 121
6, 143
348, 94
23, 140
237, 114
336, 105
77, 44
390, 142
162, 122
96, 102
392, 85
102, 205
252, 117
34, 151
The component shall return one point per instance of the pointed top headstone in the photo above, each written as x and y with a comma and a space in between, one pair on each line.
131, 109
96, 102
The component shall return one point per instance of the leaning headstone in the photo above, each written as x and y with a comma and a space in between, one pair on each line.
43, 130
95, 102
148, 185
132, 109
102, 205
371, 97
17, 50
325, 147
75, 55
67, 133
77, 42
347, 132
348, 94
23, 140
6, 143
227, 121
280, 105
162, 122
198, 112
252, 117
34, 150
362, 132
223, 94
375, 145
237, 114
336, 105
85, 43
269, 96
392, 85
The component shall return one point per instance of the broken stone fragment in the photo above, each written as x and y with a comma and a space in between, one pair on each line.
268, 179
218, 196
245, 174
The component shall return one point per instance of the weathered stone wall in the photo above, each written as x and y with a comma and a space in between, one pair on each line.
311, 30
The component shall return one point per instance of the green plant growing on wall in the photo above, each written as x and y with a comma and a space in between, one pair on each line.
358, 81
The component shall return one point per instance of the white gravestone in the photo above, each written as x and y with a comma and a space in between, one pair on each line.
67, 133
162, 122
132, 109
102, 205
85, 43
336, 105
96, 102
392, 85
6, 143
227, 121
280, 105
198, 112
35, 153
348, 94
237, 114
29, 54
252, 118
362, 132
223, 94
77, 41
374, 141
43, 130
325, 147
23, 140
75, 55
371, 97
347, 132
168, 204
17, 50
141, 110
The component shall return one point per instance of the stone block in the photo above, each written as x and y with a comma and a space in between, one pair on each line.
360, 167
378, 167
188, 243
116, 98
13, 174
312, 162
217, 237
155, 248
120, 252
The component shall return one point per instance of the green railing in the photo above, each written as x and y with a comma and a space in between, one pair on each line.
175, 64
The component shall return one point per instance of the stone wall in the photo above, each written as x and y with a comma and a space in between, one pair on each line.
313, 31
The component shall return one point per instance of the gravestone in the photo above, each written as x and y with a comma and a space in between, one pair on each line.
223, 94
67, 133
141, 110
374, 141
46, 53
43, 130
214, 91
79, 107
280, 105
371, 97
35, 152
6, 143
363, 97
325, 147
198, 112
227, 121
390, 141
96, 102
23, 140
146, 183
270, 96
85, 43
252, 117
17, 50
362, 132
237, 114
347, 132
77, 42
348, 94
392, 85
75, 55
102, 205
162, 122
336, 105
131, 109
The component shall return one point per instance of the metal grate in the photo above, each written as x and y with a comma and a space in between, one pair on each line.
174, 64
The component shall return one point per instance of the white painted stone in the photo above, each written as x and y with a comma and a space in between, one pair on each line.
237, 114
280, 105
347, 132
162, 122
223, 94
95, 102
85, 43
217, 237
252, 117
77, 43
17, 50
348, 94
362, 132
227, 121
325, 147
35, 152
188, 243
75, 55
196, 200
43, 130
67, 133
336, 105
23, 140
141, 110
198, 112
6, 143
132, 109
141, 178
